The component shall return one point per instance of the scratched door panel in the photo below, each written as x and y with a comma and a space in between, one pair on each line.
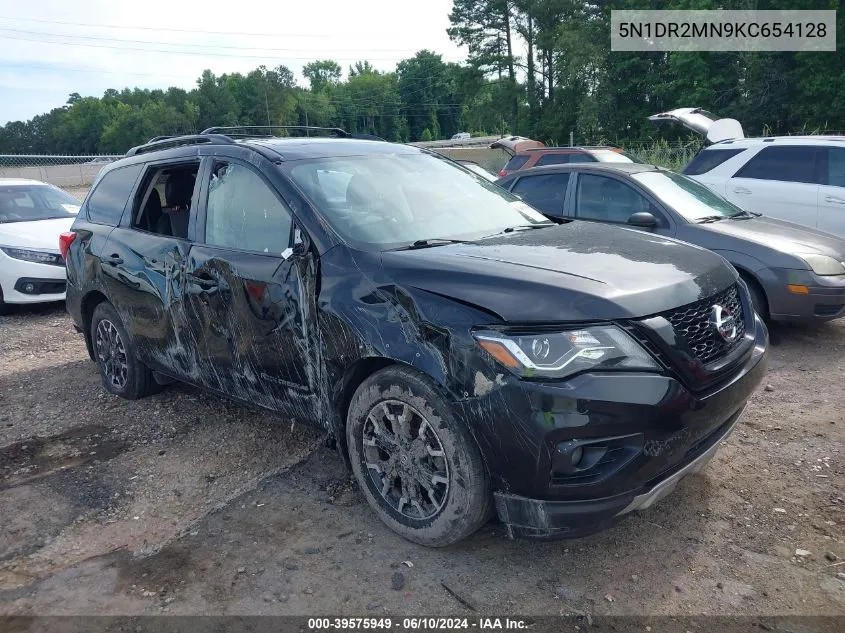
143, 274
252, 320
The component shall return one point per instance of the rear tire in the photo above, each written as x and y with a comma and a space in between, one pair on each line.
121, 372
415, 461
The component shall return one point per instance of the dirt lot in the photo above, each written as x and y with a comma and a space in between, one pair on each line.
184, 503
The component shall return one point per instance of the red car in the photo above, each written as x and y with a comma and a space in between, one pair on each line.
540, 156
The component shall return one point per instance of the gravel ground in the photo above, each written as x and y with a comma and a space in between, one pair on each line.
184, 503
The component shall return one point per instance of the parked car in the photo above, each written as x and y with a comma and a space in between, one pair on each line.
464, 352
478, 169
542, 156
796, 178
32, 216
461, 136
792, 272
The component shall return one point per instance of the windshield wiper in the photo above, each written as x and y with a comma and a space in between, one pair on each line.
711, 218
429, 242
522, 227
745, 215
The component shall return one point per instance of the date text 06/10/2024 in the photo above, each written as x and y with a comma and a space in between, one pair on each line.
421, 624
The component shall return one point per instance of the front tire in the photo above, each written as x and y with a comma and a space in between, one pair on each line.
758, 298
415, 461
121, 372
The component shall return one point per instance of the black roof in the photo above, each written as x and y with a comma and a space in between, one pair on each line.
328, 142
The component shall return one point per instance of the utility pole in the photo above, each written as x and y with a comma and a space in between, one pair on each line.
266, 102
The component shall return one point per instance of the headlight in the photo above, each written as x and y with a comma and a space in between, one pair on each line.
823, 264
561, 354
38, 257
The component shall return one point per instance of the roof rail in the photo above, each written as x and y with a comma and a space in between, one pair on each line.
574, 147
243, 131
158, 143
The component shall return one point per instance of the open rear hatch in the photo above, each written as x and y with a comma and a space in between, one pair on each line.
515, 144
705, 123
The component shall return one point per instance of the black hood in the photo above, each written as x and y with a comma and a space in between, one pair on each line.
572, 272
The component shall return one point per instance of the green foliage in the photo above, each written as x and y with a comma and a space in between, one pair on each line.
539, 68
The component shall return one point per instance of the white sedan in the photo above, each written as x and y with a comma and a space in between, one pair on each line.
32, 216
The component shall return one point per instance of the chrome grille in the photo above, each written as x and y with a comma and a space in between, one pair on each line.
692, 324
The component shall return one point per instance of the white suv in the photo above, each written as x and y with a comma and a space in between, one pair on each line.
796, 178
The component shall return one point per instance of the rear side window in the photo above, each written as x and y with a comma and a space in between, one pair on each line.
582, 158
105, 206
792, 163
709, 159
835, 167
516, 162
553, 159
545, 193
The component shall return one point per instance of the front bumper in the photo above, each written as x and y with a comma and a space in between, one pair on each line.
648, 430
824, 301
548, 520
48, 282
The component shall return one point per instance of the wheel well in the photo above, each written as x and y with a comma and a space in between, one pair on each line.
89, 304
751, 280
353, 377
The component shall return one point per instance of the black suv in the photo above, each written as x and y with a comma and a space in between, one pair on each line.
464, 352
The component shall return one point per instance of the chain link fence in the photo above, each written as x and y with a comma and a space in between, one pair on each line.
75, 174
670, 156
72, 173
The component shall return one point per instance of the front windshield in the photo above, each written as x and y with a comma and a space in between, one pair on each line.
385, 201
27, 203
692, 200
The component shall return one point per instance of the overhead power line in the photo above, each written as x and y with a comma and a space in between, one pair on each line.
63, 69
193, 53
172, 30
215, 46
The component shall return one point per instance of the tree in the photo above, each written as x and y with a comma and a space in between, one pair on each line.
485, 28
429, 96
322, 74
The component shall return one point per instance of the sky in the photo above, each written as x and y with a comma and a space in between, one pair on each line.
51, 48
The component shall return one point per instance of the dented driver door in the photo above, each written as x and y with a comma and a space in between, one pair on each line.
251, 290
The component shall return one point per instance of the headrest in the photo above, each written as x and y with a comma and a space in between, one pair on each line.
179, 188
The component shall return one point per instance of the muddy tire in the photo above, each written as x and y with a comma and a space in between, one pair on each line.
121, 372
416, 462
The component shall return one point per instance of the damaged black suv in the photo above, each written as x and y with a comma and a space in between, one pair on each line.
467, 355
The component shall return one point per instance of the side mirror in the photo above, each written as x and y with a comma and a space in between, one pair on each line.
643, 220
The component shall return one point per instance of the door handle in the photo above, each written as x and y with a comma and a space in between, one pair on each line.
114, 259
742, 190
834, 199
